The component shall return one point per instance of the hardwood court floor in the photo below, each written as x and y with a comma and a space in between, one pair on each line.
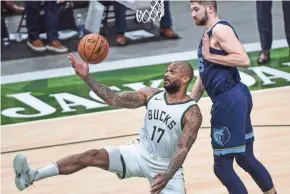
270, 118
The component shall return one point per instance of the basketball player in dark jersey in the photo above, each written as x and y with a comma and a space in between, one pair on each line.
219, 54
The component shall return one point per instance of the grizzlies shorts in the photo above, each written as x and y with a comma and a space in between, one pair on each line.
231, 126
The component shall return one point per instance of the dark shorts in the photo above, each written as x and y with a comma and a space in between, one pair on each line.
231, 126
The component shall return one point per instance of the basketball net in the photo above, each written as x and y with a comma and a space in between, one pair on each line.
156, 11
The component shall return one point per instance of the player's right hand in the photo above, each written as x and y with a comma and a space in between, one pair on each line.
81, 68
161, 180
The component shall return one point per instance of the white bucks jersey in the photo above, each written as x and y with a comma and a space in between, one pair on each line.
163, 125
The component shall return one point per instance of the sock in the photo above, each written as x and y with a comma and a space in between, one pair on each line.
48, 171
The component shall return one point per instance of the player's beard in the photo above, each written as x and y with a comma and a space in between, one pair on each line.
203, 21
173, 87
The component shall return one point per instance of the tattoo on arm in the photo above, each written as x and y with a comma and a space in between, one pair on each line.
193, 120
130, 100
125, 99
190, 141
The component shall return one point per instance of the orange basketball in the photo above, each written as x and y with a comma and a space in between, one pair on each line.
93, 48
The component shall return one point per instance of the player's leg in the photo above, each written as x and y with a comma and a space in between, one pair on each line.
248, 161
223, 169
25, 176
125, 161
257, 171
228, 137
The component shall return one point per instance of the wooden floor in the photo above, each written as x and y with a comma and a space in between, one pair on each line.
270, 113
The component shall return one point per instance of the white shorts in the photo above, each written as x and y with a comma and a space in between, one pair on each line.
132, 161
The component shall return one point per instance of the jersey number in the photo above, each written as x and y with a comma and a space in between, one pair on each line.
161, 131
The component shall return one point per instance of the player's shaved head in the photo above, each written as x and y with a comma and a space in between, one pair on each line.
185, 68
178, 76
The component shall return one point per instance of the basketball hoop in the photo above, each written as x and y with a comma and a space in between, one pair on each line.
156, 10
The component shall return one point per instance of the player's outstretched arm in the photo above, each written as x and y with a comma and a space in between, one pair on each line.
197, 90
227, 40
134, 99
123, 100
192, 123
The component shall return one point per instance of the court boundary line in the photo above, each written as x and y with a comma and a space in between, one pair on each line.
124, 64
109, 138
114, 111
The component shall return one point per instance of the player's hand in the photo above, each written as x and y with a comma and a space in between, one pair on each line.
161, 180
205, 46
81, 68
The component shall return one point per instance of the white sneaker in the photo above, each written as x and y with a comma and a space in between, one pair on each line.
22, 171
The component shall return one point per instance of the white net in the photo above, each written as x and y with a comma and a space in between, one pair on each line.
156, 11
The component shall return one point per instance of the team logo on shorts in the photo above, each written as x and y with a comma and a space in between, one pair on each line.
221, 136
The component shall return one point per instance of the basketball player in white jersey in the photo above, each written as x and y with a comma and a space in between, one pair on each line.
171, 126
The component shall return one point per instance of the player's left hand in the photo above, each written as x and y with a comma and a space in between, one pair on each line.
205, 46
161, 180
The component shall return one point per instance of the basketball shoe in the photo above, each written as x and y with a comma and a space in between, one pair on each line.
24, 176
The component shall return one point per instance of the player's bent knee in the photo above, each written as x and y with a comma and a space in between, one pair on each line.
243, 163
116, 162
246, 162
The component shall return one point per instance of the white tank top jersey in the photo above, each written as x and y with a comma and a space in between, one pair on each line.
163, 125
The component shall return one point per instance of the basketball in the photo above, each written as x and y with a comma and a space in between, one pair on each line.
93, 48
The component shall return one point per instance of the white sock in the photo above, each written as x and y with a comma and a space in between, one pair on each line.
48, 171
